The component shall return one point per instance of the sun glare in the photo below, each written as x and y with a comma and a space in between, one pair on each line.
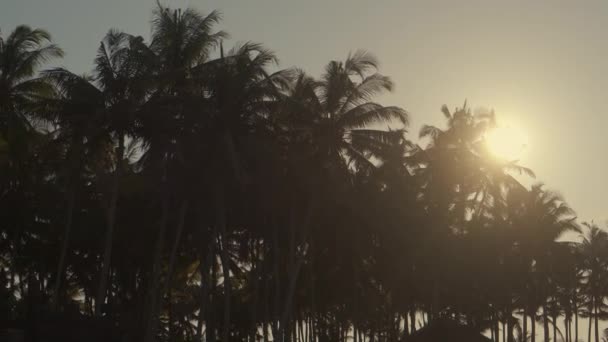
506, 142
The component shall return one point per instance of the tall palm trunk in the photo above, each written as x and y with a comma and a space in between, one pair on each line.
296, 260
509, 326
172, 256
74, 153
597, 314
525, 327
211, 320
178, 237
150, 314
255, 271
277, 281
533, 327
590, 324
554, 328
496, 326
64, 244
205, 267
223, 244
567, 328
406, 329
413, 320
546, 324
107, 251
575, 323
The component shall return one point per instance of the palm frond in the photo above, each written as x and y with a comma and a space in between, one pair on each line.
365, 91
370, 113
430, 131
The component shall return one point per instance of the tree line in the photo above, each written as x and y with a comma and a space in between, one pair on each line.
184, 192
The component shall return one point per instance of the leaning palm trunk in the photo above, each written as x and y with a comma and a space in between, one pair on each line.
107, 251
64, 244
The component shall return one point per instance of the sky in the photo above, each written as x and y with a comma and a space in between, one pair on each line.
541, 65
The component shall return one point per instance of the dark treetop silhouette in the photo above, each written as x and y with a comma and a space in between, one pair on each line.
186, 193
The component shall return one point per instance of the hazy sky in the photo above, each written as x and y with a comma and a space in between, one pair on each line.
542, 65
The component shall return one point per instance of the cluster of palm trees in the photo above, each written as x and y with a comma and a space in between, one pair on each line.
185, 193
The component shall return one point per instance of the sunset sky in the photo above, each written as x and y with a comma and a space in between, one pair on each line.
542, 65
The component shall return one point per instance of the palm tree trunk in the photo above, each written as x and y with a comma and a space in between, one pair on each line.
150, 321
590, 323
525, 327
257, 272
566, 327
297, 259
570, 329
406, 330
554, 328
178, 237
575, 323
64, 245
413, 320
509, 327
597, 332
107, 251
545, 324
205, 267
210, 329
277, 281
496, 324
533, 327
223, 244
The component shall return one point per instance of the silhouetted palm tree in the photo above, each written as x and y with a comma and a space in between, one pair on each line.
123, 65
594, 248
75, 109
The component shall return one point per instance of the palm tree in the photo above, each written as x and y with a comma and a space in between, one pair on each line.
334, 122
593, 249
545, 217
21, 54
337, 115
74, 108
122, 65
181, 42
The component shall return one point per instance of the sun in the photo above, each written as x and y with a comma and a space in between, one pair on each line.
506, 142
